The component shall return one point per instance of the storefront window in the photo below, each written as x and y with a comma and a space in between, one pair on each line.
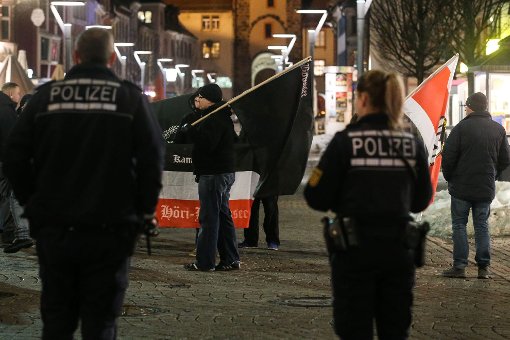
496, 89
499, 102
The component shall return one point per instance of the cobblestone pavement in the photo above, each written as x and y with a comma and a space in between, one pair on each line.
281, 294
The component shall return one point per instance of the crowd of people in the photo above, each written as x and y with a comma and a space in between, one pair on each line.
80, 175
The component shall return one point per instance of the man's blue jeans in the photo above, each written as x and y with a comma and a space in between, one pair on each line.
480, 212
217, 229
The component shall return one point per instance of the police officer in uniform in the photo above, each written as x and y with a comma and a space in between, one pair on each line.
372, 175
85, 159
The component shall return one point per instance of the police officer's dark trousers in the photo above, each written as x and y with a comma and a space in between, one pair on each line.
373, 281
84, 274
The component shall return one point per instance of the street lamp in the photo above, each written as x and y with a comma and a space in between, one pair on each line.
105, 27
181, 74
65, 28
122, 58
197, 80
362, 9
142, 64
288, 48
160, 62
211, 76
284, 54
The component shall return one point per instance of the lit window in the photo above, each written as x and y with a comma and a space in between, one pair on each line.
210, 49
318, 67
145, 17
148, 17
215, 50
321, 39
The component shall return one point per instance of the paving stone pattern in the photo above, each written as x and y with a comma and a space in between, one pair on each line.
282, 294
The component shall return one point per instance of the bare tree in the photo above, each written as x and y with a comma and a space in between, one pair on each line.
412, 36
475, 21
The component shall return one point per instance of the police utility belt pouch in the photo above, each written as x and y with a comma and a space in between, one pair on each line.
415, 237
340, 233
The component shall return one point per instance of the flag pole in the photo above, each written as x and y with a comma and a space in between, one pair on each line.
432, 75
304, 61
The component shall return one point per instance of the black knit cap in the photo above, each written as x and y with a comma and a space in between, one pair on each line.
477, 102
211, 92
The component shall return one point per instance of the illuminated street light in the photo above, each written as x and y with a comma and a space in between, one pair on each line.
160, 62
105, 27
142, 64
321, 21
198, 81
210, 77
178, 68
312, 37
181, 75
122, 58
65, 28
286, 52
194, 72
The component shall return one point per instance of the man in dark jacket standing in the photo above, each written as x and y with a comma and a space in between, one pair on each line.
9, 98
474, 155
10, 210
85, 159
213, 161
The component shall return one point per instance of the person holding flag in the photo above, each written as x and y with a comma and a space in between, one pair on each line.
213, 161
372, 175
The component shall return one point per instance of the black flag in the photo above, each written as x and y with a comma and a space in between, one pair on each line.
277, 122
276, 130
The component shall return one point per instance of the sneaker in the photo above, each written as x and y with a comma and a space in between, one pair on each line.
244, 244
193, 267
484, 273
455, 272
236, 265
272, 246
17, 245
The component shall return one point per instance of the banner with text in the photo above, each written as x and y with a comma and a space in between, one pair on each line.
178, 204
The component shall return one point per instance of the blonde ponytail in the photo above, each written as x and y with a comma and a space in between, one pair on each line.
385, 94
394, 101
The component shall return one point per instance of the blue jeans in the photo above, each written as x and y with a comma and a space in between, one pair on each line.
217, 229
460, 212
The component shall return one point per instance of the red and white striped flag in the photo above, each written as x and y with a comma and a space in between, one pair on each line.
178, 204
426, 107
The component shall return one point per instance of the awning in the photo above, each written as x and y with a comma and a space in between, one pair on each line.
12, 71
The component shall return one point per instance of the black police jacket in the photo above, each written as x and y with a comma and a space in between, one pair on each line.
474, 154
362, 174
86, 150
213, 143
